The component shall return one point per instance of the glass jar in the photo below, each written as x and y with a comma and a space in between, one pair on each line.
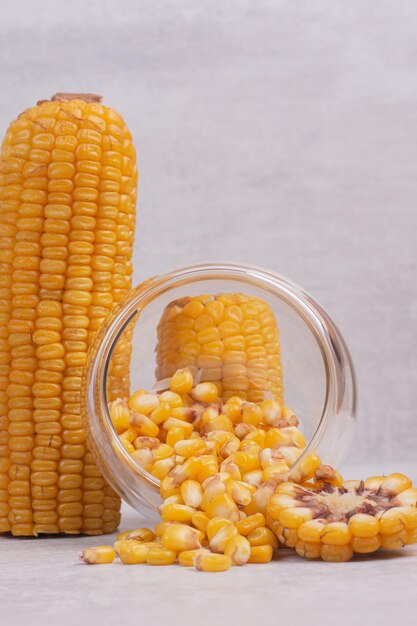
319, 378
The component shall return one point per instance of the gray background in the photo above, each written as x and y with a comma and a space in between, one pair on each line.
277, 133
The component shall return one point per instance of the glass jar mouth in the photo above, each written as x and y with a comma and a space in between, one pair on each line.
337, 363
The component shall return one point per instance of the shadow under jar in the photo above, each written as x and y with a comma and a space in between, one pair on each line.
318, 376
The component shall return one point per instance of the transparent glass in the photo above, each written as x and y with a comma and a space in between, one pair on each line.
319, 378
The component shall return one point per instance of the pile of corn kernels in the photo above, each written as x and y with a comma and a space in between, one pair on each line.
233, 491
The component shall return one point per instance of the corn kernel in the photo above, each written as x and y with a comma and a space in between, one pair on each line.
144, 403
179, 537
205, 392
182, 381
207, 562
131, 552
238, 549
192, 493
99, 555
160, 556
262, 536
187, 557
261, 554
177, 513
248, 524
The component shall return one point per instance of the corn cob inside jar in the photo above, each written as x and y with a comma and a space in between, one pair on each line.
68, 182
231, 339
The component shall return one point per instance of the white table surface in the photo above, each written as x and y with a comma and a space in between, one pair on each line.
42, 582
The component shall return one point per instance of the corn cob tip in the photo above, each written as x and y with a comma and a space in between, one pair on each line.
62, 96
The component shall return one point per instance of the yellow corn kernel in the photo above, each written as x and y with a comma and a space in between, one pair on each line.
308, 550
262, 536
254, 477
258, 436
261, 498
182, 381
246, 462
239, 550
191, 493
129, 447
131, 552
363, 525
187, 557
336, 553
99, 555
391, 521
205, 392
173, 399
176, 512
240, 492
120, 415
152, 443
217, 422
278, 471
122, 536
223, 505
160, 469
190, 447
395, 484
129, 435
139, 534
335, 534
179, 537
168, 488
173, 422
233, 409
249, 523
365, 545
252, 413
261, 554
305, 468
207, 562
219, 531
212, 486
200, 521
160, 556
294, 517
143, 402
162, 451
311, 531
143, 425
408, 497
161, 527
143, 457
395, 540
161, 413
209, 467
272, 412
174, 435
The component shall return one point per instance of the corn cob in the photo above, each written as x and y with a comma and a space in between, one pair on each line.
231, 339
333, 523
67, 190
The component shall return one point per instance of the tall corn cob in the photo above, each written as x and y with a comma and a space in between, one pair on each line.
231, 338
67, 190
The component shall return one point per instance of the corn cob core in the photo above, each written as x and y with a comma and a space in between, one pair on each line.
231, 339
67, 190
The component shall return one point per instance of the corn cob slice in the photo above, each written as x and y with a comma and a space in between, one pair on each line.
333, 523
68, 190
232, 339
